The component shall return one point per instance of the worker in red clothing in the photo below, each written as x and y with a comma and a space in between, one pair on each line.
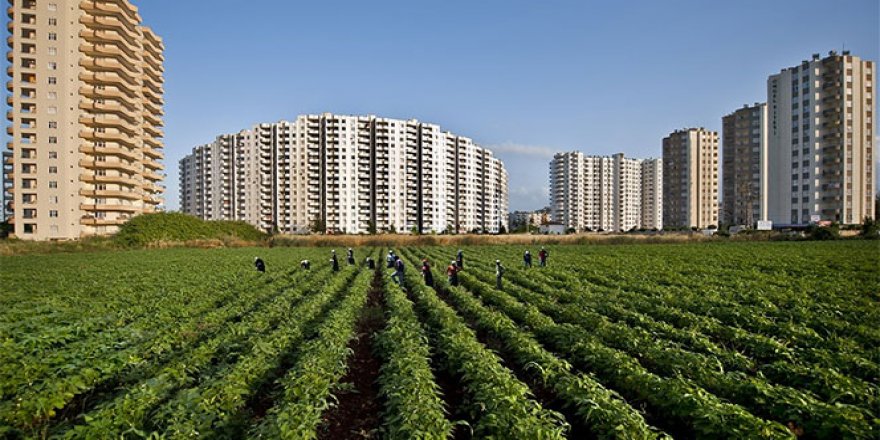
426, 273
542, 257
452, 273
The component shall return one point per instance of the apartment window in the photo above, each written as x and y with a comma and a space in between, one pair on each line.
53, 213
53, 184
53, 80
53, 65
53, 36
52, 95
53, 124
30, 228
53, 170
52, 6
53, 200
53, 140
53, 22
53, 51
52, 110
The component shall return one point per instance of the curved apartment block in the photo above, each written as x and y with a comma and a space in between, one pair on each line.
347, 174
85, 114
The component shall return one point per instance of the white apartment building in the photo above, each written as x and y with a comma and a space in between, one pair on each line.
347, 174
602, 193
690, 178
821, 140
85, 107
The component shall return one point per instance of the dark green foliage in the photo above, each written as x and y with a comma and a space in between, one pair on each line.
149, 229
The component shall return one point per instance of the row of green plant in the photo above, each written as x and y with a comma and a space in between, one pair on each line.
44, 383
774, 402
499, 405
133, 410
307, 387
413, 407
675, 400
764, 338
826, 382
209, 408
603, 411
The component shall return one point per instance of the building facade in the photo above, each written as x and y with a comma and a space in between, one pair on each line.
520, 219
652, 194
821, 140
744, 166
347, 174
690, 178
85, 107
600, 193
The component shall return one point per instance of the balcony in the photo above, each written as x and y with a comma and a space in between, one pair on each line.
116, 208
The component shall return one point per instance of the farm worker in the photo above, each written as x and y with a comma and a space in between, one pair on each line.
452, 273
527, 259
389, 260
542, 256
397, 276
459, 259
259, 264
305, 264
426, 273
499, 272
334, 263
350, 257
370, 263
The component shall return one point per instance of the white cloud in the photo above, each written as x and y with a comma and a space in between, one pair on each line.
524, 150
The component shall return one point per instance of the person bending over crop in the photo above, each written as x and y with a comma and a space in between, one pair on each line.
426, 273
370, 263
542, 257
397, 276
499, 272
527, 259
350, 257
459, 259
259, 264
334, 263
305, 264
452, 273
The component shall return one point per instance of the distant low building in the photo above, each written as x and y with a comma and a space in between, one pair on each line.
519, 219
552, 228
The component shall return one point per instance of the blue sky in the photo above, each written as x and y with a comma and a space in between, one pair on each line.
525, 78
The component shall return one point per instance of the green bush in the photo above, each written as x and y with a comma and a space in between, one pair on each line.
822, 233
870, 229
149, 229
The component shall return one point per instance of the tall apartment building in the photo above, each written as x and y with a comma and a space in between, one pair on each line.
85, 107
744, 165
690, 178
652, 194
352, 174
600, 193
821, 140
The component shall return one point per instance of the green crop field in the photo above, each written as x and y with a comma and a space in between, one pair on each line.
706, 340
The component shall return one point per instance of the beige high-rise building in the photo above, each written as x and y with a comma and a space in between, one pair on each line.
690, 178
821, 140
85, 109
652, 194
744, 166
352, 174
603, 193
